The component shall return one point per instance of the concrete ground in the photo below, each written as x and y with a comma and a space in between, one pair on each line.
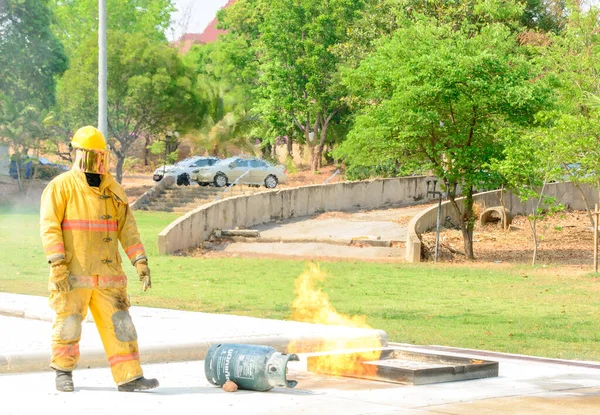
525, 385
310, 250
333, 235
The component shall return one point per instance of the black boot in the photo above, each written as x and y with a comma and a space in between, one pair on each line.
140, 384
64, 381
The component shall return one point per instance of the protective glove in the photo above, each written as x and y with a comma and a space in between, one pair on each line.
59, 276
144, 273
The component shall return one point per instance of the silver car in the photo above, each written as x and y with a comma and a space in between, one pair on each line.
253, 172
184, 166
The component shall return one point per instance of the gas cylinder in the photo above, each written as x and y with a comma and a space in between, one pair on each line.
251, 367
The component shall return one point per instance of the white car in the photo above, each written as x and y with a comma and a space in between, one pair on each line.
253, 172
184, 166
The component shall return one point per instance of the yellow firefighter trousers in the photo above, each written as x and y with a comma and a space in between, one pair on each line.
109, 307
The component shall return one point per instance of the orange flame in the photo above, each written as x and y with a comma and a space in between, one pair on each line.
313, 306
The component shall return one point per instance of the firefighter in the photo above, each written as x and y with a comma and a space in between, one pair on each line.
84, 215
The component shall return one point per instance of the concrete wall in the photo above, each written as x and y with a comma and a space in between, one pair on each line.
565, 193
246, 211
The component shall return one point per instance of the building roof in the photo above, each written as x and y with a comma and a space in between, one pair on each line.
209, 35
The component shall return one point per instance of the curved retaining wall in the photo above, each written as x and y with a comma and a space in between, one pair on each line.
245, 211
565, 193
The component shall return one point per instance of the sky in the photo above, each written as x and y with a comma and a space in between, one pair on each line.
192, 16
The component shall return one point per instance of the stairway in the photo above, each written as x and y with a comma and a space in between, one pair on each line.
186, 198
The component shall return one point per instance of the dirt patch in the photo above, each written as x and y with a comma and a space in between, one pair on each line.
399, 215
305, 178
566, 238
333, 215
134, 180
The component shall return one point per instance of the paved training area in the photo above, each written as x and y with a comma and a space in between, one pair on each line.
350, 235
525, 385
310, 250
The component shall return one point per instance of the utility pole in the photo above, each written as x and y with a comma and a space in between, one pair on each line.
439, 213
102, 70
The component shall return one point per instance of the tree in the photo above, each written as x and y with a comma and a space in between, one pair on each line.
21, 129
526, 169
31, 58
228, 78
224, 125
149, 90
299, 69
441, 94
30, 55
77, 21
545, 15
573, 127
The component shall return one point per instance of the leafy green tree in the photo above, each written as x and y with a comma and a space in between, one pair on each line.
227, 74
224, 126
377, 20
149, 90
228, 77
21, 129
438, 94
244, 18
573, 127
545, 15
30, 55
526, 169
299, 70
77, 21
31, 58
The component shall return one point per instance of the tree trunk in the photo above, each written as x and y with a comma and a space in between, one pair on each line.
504, 222
290, 147
19, 177
533, 224
468, 241
119, 168
319, 155
468, 223
146, 150
314, 159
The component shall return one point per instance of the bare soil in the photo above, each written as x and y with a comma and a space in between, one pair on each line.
565, 238
305, 177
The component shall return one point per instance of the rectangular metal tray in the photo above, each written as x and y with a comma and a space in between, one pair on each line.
399, 365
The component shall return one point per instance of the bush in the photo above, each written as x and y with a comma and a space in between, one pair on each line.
384, 169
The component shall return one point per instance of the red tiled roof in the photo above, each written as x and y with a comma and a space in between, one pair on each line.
210, 34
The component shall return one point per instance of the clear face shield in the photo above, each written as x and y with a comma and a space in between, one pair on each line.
92, 161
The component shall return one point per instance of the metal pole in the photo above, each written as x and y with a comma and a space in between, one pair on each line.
166, 149
437, 229
596, 213
102, 69
231, 186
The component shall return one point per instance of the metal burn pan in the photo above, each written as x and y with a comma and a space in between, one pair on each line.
398, 365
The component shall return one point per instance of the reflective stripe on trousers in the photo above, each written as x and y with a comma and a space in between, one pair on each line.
110, 308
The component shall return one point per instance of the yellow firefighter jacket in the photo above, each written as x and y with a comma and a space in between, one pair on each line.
83, 225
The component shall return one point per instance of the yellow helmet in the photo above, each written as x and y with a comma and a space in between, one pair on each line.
91, 152
89, 138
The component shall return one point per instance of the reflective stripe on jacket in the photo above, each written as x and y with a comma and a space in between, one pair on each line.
83, 225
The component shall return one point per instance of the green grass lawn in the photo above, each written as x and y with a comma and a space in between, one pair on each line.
549, 312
